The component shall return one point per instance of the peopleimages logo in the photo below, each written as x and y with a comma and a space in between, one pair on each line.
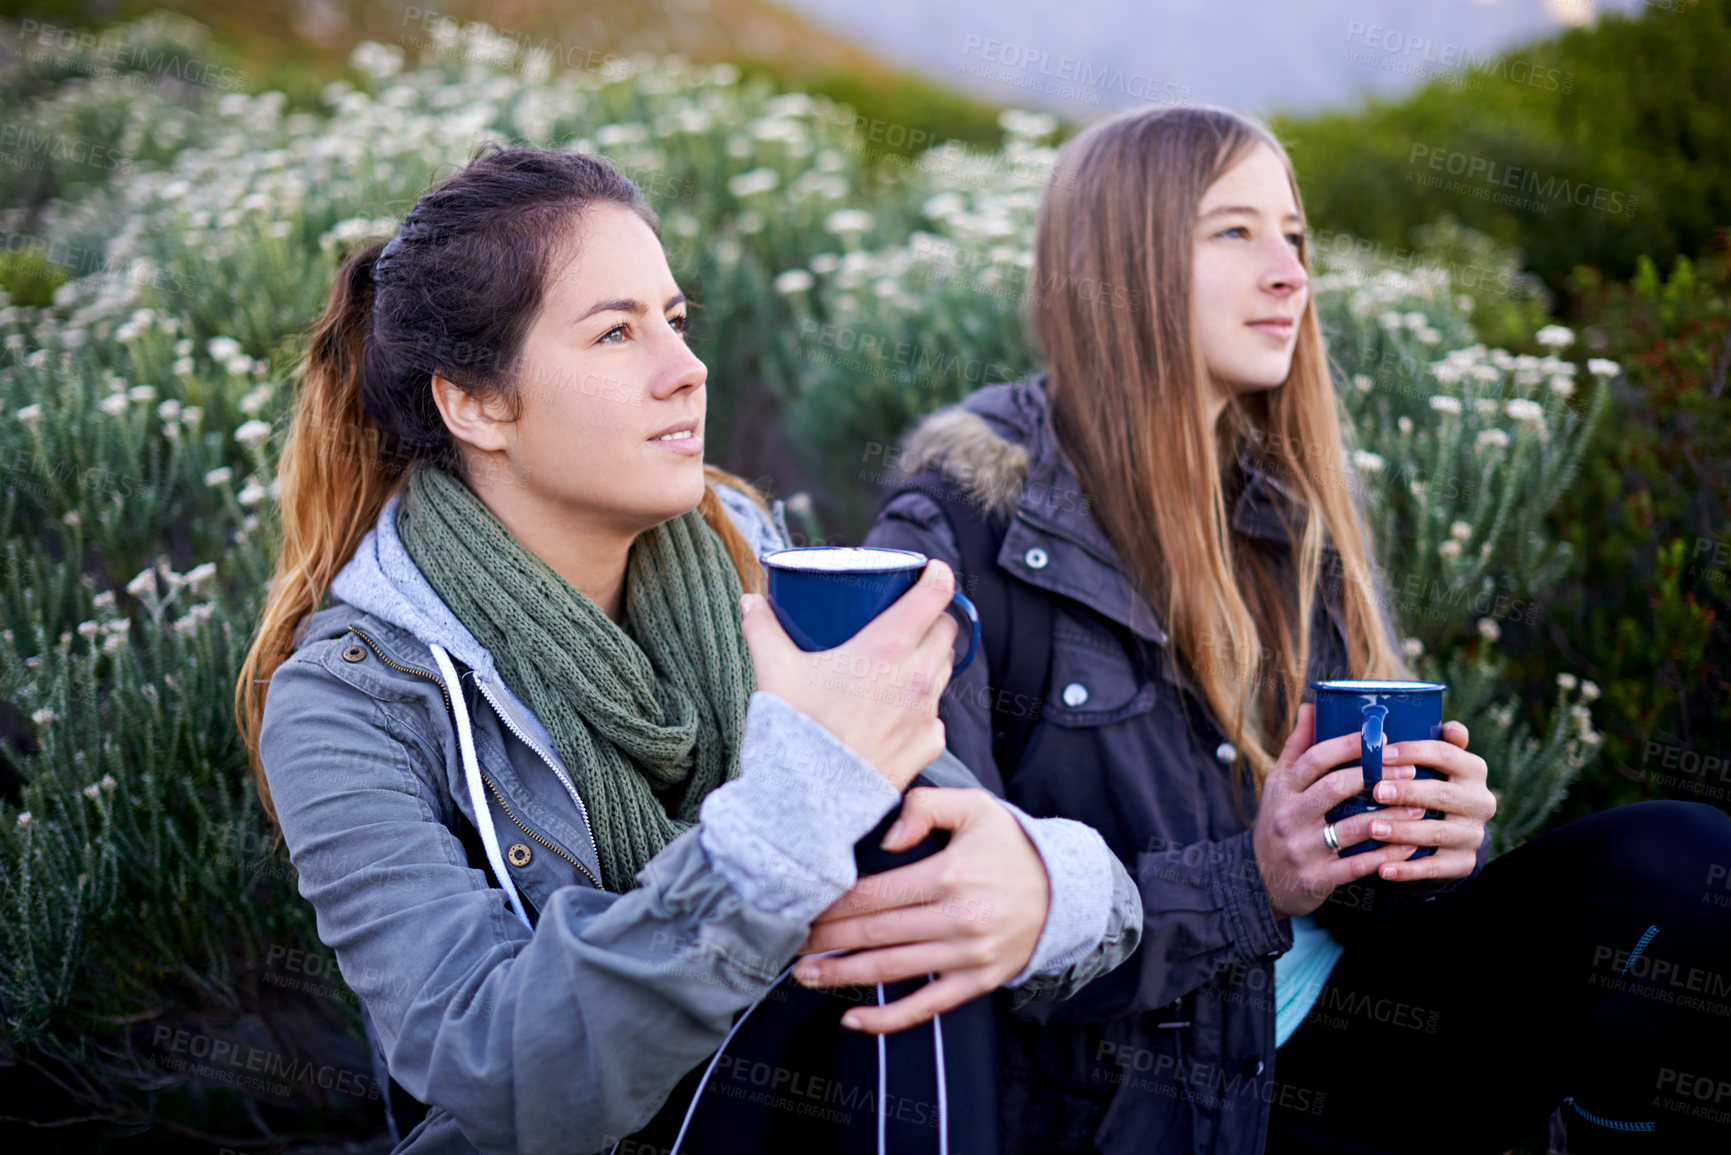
1492, 177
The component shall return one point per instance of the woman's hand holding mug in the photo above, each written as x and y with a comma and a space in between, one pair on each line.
1299, 869
878, 691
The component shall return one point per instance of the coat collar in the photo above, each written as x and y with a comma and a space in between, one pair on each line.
1055, 542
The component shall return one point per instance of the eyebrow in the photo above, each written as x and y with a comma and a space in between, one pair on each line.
1224, 209
626, 305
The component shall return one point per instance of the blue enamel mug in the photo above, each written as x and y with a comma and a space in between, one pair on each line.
1382, 713
824, 595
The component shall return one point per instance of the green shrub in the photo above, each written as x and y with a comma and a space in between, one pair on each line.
1638, 110
1650, 517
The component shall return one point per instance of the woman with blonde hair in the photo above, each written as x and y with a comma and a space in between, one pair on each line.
563, 823
1167, 544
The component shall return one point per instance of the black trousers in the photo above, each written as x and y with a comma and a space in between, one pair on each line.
1590, 967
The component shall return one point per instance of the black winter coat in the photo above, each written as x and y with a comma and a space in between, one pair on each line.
1174, 1050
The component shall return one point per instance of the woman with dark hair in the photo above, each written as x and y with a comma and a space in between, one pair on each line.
563, 823
1165, 541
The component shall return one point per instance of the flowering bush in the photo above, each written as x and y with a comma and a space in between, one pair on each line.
139, 415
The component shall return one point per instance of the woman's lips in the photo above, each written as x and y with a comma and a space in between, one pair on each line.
1281, 330
685, 446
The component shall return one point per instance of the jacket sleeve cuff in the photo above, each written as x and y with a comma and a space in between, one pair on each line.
783, 832
1079, 871
1257, 932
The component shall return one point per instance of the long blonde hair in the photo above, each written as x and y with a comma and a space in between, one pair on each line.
455, 296
1130, 402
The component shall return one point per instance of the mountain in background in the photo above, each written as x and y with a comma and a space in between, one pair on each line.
1085, 58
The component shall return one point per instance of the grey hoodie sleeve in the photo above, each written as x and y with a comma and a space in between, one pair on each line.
568, 1036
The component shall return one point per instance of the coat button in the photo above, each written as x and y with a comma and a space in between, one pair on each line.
519, 854
1226, 752
354, 653
1036, 558
1075, 694
1252, 1067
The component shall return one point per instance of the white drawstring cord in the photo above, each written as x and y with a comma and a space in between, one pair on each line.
738, 1023
472, 776
943, 1097
883, 1080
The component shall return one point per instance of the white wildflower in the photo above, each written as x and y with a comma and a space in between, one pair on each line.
1567, 681
92, 792
26, 819
794, 281
1450, 549
88, 629
108, 783
1493, 437
1461, 531
31, 416
200, 577
1526, 412
1404, 424
1589, 691
104, 601
143, 587
1390, 321
191, 416
1602, 368
1489, 630
1555, 337
113, 643
114, 404
1561, 386
252, 434
824, 263
1412, 648
758, 180
1486, 407
845, 221
169, 410
142, 393
1367, 461
1362, 383
222, 348
43, 716
218, 476
251, 494
1444, 404
73, 518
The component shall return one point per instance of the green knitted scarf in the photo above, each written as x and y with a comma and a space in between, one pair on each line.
648, 722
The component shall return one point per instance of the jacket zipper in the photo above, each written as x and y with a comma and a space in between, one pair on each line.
512, 815
434, 678
551, 765
522, 737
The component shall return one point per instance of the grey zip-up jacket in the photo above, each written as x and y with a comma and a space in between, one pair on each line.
543, 1013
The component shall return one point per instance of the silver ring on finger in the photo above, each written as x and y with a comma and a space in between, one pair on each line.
1329, 837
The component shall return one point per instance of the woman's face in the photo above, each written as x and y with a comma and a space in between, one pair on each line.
1247, 286
606, 374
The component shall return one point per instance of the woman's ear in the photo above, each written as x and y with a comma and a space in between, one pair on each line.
471, 420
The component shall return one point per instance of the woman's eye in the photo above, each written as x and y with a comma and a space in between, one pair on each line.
680, 322
1228, 232
1297, 239
619, 328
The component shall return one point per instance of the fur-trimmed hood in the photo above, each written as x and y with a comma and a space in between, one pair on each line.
990, 445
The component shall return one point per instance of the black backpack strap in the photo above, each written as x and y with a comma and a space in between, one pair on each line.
1015, 618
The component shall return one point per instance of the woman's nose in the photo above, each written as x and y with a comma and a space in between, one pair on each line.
1288, 272
680, 368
